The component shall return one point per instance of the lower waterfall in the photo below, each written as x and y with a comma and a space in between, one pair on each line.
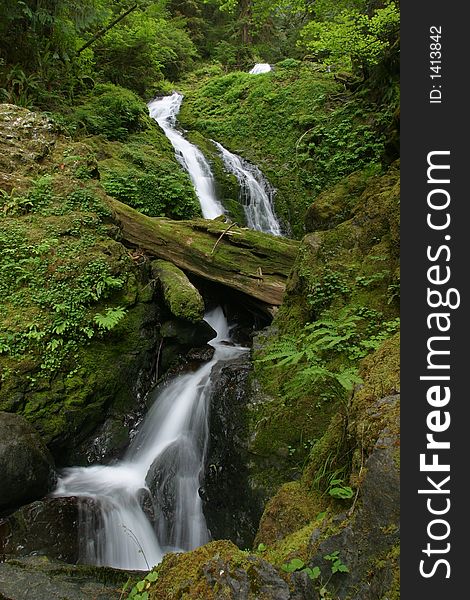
163, 467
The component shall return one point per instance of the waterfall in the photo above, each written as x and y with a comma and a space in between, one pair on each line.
164, 111
256, 194
260, 68
164, 462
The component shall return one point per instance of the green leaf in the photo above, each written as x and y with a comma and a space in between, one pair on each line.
294, 565
313, 573
343, 492
152, 576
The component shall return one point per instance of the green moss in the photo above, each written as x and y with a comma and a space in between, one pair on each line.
183, 575
181, 297
291, 509
60, 268
144, 173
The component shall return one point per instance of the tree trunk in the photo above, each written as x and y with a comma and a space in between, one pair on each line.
251, 262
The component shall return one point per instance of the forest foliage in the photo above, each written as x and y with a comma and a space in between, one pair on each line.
55, 51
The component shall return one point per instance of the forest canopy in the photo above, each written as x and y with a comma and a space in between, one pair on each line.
53, 51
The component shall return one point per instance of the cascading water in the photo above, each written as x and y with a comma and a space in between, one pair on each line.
256, 194
165, 462
164, 111
260, 68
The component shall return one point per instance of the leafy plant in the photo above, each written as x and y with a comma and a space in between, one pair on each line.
140, 590
110, 319
338, 490
297, 564
352, 37
337, 565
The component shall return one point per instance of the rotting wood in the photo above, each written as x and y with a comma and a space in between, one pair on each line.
242, 254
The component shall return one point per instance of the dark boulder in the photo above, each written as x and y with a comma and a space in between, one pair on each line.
26, 466
231, 506
48, 527
368, 539
39, 578
186, 334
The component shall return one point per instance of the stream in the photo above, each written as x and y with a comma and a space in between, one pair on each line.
173, 443
148, 504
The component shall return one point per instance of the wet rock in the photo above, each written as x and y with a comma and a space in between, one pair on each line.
288, 511
163, 479
43, 579
26, 465
232, 507
258, 579
367, 540
110, 442
187, 334
201, 354
48, 527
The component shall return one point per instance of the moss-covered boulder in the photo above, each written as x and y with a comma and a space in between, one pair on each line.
233, 503
291, 509
350, 262
217, 571
26, 466
81, 349
26, 138
180, 296
360, 450
335, 205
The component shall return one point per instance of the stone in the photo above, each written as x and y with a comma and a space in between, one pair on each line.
48, 527
367, 539
232, 507
188, 334
26, 466
43, 579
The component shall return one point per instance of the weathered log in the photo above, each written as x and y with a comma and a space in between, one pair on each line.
251, 262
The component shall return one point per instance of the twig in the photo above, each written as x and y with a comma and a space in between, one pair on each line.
158, 359
221, 236
134, 537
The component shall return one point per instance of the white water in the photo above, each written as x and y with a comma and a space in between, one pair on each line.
260, 68
164, 111
172, 443
256, 194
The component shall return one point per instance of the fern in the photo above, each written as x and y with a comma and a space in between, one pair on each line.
306, 359
110, 319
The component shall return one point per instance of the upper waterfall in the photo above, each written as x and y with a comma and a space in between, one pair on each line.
164, 111
256, 194
260, 68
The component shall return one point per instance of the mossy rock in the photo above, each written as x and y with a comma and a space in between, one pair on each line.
352, 264
336, 204
291, 509
217, 571
26, 466
181, 297
59, 369
55, 580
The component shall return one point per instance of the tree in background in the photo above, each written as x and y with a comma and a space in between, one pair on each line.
350, 38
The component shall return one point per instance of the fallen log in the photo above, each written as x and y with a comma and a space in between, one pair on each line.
251, 262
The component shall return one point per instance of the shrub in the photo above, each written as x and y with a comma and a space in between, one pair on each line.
112, 111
